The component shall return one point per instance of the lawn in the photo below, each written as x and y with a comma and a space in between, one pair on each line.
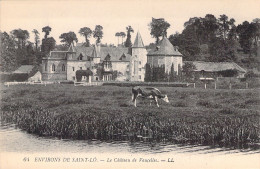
228, 118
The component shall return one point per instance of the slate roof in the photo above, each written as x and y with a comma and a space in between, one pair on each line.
58, 54
138, 41
216, 66
164, 48
116, 53
24, 69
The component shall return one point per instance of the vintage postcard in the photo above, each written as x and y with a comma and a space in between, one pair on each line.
129, 84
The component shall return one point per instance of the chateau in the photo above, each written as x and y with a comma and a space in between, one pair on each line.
128, 63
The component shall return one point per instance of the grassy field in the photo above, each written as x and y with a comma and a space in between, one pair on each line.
228, 118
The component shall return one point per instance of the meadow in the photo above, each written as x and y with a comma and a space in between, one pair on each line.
218, 118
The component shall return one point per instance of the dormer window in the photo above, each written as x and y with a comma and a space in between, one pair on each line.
108, 57
80, 57
123, 57
63, 67
53, 68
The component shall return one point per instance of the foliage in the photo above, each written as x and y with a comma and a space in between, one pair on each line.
48, 45
98, 33
68, 38
80, 73
128, 42
36, 38
158, 28
188, 69
148, 71
8, 53
47, 31
229, 73
87, 33
21, 35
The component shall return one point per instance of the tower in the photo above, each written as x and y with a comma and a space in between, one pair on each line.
138, 59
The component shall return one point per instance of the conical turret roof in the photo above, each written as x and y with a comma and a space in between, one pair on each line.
165, 48
138, 41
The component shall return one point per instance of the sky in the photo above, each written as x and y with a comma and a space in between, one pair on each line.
114, 15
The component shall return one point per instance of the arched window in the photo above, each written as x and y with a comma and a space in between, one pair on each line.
63, 67
53, 68
45, 66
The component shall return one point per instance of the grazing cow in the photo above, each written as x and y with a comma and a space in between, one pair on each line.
148, 93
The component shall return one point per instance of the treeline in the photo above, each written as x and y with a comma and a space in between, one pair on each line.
16, 49
219, 39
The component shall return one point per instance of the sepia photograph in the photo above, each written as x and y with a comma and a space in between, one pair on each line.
129, 84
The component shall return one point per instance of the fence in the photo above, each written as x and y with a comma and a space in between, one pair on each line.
88, 84
29, 83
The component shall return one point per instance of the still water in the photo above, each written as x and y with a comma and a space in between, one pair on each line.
13, 139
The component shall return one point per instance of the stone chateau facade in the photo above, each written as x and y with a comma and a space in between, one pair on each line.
129, 63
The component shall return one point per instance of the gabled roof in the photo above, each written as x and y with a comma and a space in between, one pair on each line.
57, 55
115, 53
164, 48
24, 69
216, 66
138, 41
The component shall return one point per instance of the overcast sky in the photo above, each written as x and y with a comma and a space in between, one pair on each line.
115, 15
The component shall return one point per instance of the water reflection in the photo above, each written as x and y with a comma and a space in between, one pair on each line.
13, 139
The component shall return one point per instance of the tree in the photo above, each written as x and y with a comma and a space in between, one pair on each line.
36, 38
87, 33
21, 36
172, 74
148, 73
224, 25
48, 45
158, 28
98, 33
128, 42
68, 38
47, 31
122, 34
118, 35
188, 69
7, 53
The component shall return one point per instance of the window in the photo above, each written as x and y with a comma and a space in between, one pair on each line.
140, 69
73, 77
45, 66
80, 57
73, 69
80, 68
140, 77
140, 62
63, 67
53, 68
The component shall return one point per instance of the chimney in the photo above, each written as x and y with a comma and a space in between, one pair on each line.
98, 47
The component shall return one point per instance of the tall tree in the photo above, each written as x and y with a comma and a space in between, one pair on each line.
128, 42
7, 53
46, 30
48, 45
158, 28
87, 33
68, 38
21, 36
36, 38
98, 33
122, 34
225, 25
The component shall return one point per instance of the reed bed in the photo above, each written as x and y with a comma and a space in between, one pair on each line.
214, 121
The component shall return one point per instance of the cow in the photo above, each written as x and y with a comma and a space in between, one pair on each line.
148, 93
